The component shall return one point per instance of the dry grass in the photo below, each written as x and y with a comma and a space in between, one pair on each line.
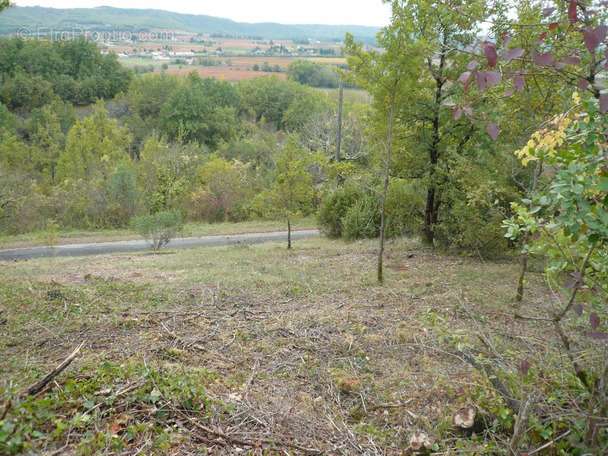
307, 350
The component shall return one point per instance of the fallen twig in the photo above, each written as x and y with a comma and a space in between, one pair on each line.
38, 386
496, 382
548, 444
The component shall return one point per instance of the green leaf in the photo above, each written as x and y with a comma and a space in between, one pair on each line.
155, 395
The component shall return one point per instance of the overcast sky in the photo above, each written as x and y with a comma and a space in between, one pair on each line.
352, 12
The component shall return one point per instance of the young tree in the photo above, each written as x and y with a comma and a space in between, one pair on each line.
385, 76
568, 223
292, 194
410, 83
46, 142
94, 147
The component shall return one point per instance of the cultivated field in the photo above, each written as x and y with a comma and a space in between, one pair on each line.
258, 350
227, 73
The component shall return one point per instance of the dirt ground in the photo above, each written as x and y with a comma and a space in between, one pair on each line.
279, 352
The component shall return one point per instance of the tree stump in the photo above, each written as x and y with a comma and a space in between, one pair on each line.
468, 419
420, 440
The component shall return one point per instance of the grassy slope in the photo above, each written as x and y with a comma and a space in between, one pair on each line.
41, 238
275, 348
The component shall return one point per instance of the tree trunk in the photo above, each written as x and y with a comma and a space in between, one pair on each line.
523, 260
430, 217
521, 425
288, 234
387, 170
432, 200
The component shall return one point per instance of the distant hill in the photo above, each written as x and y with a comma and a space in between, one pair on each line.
137, 20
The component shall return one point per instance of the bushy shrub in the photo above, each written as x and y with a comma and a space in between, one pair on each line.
354, 212
158, 229
334, 207
404, 208
362, 220
123, 196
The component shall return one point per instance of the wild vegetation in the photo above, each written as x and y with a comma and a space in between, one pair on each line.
480, 165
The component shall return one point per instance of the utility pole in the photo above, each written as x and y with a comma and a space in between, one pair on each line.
339, 135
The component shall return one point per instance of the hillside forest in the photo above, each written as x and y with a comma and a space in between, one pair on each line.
478, 129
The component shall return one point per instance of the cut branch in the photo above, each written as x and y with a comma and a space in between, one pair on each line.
494, 380
39, 386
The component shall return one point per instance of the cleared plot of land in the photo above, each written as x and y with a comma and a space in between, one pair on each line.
329, 60
227, 73
257, 349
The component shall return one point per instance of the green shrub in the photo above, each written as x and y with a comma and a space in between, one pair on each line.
123, 195
158, 229
362, 220
360, 210
404, 209
334, 207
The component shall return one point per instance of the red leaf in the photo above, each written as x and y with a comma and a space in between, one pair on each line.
574, 60
559, 64
542, 59
593, 37
509, 92
594, 321
464, 77
509, 74
603, 103
493, 130
553, 26
598, 335
570, 283
524, 366
578, 310
583, 84
572, 11
457, 113
543, 36
468, 111
489, 51
472, 65
511, 54
548, 11
481, 80
519, 83
493, 78
507, 41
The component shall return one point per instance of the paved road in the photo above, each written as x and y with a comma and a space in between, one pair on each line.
74, 250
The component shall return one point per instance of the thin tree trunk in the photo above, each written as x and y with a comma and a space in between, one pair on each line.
288, 234
387, 170
521, 425
523, 261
